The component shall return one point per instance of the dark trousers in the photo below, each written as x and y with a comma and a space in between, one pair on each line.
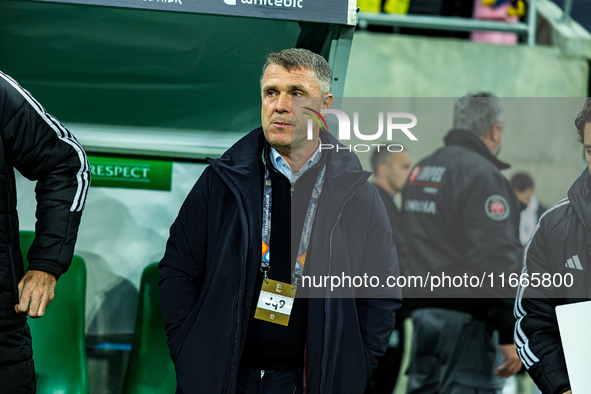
17, 373
452, 353
270, 381
385, 375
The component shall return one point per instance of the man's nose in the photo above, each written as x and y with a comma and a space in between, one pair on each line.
283, 103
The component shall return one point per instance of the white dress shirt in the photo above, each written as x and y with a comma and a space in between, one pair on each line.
281, 165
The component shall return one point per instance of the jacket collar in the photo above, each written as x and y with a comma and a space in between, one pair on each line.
242, 163
470, 141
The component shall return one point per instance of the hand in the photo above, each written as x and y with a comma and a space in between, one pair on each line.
512, 362
567, 392
35, 292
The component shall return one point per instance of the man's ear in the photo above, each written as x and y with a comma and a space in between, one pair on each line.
495, 132
379, 170
328, 101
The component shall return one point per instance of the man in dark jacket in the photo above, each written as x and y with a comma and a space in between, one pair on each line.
524, 189
390, 172
215, 277
40, 148
559, 245
461, 216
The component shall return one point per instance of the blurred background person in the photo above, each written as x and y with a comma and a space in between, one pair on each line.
460, 215
524, 188
390, 172
498, 11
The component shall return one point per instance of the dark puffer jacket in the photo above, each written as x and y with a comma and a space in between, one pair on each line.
42, 149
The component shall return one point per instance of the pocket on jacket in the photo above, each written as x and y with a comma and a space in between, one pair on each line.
368, 365
178, 339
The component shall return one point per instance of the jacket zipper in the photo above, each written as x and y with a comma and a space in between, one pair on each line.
329, 270
243, 274
305, 365
12, 262
13, 268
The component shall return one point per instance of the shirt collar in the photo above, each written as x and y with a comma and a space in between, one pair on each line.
281, 165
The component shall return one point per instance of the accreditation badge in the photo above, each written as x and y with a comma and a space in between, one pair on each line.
275, 302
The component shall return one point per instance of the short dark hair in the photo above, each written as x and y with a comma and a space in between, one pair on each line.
582, 119
521, 182
380, 155
297, 58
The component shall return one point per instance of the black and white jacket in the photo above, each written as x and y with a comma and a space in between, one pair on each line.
559, 246
41, 149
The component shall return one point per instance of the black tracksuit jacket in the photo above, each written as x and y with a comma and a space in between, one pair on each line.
560, 245
42, 149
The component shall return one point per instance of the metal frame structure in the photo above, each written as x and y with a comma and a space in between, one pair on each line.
456, 24
568, 5
332, 39
338, 59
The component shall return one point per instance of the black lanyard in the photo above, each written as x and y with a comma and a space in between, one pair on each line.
306, 231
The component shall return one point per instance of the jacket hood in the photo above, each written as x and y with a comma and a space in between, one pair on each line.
579, 195
241, 165
470, 141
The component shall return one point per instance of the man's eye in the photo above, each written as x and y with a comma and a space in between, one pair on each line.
298, 94
271, 93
